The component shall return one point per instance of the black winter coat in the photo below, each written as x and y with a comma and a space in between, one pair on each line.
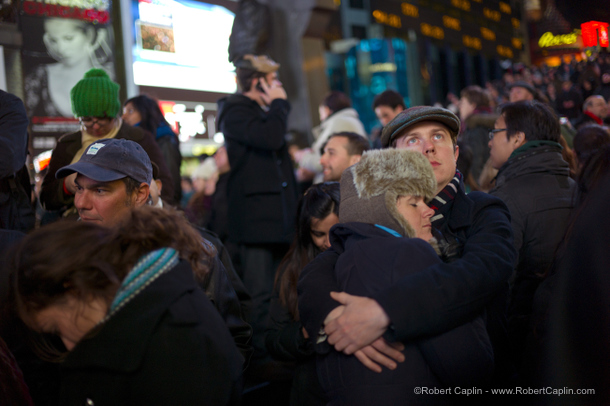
167, 346
285, 341
536, 187
370, 260
262, 191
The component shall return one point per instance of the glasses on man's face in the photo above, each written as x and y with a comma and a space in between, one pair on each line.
91, 121
492, 133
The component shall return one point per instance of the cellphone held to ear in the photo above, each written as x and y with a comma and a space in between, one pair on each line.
259, 87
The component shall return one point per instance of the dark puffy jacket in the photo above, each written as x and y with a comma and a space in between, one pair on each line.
536, 187
262, 192
370, 260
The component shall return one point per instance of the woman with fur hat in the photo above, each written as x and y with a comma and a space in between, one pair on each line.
383, 235
95, 101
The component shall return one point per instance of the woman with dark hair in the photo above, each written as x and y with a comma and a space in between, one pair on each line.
126, 305
336, 115
143, 111
286, 340
587, 141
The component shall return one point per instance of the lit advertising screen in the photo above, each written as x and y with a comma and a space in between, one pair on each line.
182, 45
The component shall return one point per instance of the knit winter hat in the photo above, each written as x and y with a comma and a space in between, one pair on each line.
96, 95
370, 188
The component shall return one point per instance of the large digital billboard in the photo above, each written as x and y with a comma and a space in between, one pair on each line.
182, 44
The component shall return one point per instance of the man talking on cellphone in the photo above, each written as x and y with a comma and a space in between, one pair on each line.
262, 191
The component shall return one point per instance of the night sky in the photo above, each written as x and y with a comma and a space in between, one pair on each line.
578, 12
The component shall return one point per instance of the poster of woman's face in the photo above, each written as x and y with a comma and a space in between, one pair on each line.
57, 54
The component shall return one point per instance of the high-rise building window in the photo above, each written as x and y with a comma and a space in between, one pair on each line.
359, 31
356, 4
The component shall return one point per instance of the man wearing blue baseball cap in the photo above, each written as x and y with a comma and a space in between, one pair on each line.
113, 175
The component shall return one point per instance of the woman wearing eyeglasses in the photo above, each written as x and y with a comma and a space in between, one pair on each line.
95, 101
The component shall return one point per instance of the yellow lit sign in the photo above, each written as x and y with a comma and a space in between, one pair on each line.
461, 4
517, 43
516, 22
432, 31
492, 14
388, 19
488, 34
504, 51
472, 42
550, 40
409, 10
452, 23
505, 8
382, 67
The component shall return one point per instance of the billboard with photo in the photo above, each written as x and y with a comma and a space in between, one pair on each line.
60, 44
182, 44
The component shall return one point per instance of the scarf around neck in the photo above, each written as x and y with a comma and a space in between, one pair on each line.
88, 139
444, 197
148, 269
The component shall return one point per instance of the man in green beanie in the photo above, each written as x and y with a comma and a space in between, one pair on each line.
95, 102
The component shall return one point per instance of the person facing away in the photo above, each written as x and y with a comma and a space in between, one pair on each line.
341, 151
477, 119
439, 297
286, 339
125, 303
143, 111
114, 176
533, 180
384, 234
95, 101
262, 192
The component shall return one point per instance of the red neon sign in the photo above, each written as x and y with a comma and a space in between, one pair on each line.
590, 34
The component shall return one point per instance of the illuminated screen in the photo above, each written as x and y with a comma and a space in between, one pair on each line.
183, 45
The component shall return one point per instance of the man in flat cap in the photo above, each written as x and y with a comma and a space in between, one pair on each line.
262, 191
476, 227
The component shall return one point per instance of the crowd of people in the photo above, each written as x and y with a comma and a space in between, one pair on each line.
448, 249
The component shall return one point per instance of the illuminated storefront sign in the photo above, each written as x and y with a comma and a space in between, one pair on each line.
549, 40
593, 30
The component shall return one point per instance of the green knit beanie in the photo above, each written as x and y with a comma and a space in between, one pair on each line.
96, 95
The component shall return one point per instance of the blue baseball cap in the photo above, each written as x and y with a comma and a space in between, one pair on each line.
107, 160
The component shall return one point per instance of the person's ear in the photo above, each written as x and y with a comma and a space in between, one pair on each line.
159, 184
354, 159
518, 139
141, 195
253, 84
456, 152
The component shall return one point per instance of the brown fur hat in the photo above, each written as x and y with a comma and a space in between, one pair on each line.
370, 188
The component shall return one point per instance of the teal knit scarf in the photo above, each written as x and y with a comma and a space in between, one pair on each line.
145, 271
